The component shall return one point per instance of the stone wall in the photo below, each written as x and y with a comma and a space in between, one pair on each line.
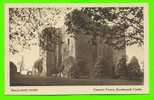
70, 51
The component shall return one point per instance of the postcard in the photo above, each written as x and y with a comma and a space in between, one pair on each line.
65, 49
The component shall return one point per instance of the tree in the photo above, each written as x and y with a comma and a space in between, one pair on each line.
134, 70
120, 26
25, 25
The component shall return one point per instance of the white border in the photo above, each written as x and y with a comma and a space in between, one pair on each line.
60, 90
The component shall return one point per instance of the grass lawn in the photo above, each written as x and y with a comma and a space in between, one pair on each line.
52, 81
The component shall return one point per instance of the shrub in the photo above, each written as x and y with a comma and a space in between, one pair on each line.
134, 70
13, 69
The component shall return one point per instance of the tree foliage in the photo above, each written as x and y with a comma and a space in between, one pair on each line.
120, 26
134, 69
25, 25
49, 38
114, 23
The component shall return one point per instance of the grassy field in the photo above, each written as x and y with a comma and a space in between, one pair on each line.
51, 81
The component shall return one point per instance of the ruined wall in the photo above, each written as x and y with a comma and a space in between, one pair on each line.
84, 52
110, 54
52, 58
89, 53
70, 50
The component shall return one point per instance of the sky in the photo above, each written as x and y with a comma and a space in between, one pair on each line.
135, 51
29, 57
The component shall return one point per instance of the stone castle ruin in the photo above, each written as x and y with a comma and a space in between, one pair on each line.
75, 57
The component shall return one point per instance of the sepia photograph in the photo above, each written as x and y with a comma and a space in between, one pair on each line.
58, 49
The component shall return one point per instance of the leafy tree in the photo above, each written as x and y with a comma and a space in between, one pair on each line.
25, 25
49, 38
134, 70
120, 26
